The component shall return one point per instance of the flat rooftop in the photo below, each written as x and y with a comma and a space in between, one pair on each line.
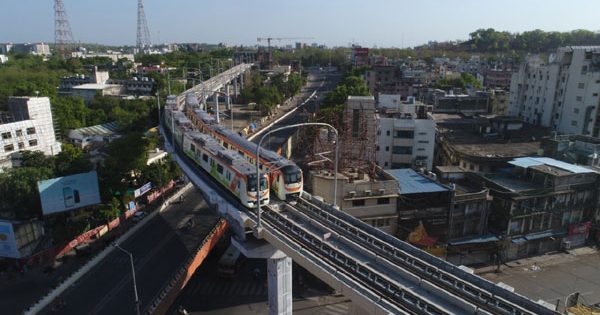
550, 165
411, 182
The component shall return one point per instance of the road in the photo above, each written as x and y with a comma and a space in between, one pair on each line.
158, 248
553, 277
207, 292
323, 82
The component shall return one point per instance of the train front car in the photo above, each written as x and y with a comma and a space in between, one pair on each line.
288, 182
227, 167
250, 197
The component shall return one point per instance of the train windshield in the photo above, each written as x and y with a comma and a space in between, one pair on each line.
252, 183
292, 175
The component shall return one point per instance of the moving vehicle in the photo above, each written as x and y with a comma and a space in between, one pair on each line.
230, 263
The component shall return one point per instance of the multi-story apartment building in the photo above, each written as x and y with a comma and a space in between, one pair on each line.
405, 136
370, 198
537, 202
562, 94
28, 126
497, 79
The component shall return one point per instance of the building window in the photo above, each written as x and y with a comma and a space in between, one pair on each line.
579, 98
31, 131
9, 148
423, 141
33, 142
581, 85
387, 133
219, 168
377, 148
355, 122
404, 134
574, 123
21, 145
205, 157
401, 150
358, 203
385, 164
387, 149
383, 201
576, 110
19, 133
6, 135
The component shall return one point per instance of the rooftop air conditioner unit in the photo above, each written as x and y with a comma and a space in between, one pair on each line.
352, 194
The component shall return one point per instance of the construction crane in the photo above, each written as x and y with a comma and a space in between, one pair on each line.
269, 39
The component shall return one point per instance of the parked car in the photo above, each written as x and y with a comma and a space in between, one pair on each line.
138, 216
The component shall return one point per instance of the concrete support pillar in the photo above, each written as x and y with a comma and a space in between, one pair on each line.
279, 273
216, 96
235, 88
242, 81
227, 99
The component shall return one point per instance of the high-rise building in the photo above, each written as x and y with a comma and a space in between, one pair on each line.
28, 126
561, 94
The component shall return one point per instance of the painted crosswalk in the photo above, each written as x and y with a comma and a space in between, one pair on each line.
341, 308
223, 288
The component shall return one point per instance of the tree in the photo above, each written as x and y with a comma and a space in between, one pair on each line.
19, 190
71, 160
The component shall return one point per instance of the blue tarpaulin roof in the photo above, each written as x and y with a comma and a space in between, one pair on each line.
411, 182
526, 162
474, 240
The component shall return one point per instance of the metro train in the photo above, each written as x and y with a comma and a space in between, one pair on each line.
285, 176
228, 167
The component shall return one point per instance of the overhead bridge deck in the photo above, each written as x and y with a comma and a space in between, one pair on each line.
379, 272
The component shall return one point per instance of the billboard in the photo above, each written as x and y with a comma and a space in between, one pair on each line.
8, 243
142, 190
69, 192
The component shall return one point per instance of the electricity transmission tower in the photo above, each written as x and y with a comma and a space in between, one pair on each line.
63, 37
143, 34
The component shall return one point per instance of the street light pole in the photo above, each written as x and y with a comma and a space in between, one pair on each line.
258, 224
135, 292
158, 105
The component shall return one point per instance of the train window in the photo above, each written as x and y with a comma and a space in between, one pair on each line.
205, 157
228, 175
192, 148
225, 145
220, 168
291, 178
212, 162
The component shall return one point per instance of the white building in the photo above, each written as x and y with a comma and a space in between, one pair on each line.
3, 59
27, 127
562, 94
406, 136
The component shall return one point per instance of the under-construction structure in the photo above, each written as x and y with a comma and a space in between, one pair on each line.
63, 37
358, 139
143, 34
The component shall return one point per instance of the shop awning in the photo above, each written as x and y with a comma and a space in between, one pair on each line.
474, 240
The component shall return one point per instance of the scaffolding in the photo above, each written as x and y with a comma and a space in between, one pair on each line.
358, 139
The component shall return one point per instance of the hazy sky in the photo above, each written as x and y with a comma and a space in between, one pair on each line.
397, 23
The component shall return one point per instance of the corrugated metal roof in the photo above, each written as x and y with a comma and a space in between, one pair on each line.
411, 182
99, 130
526, 162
